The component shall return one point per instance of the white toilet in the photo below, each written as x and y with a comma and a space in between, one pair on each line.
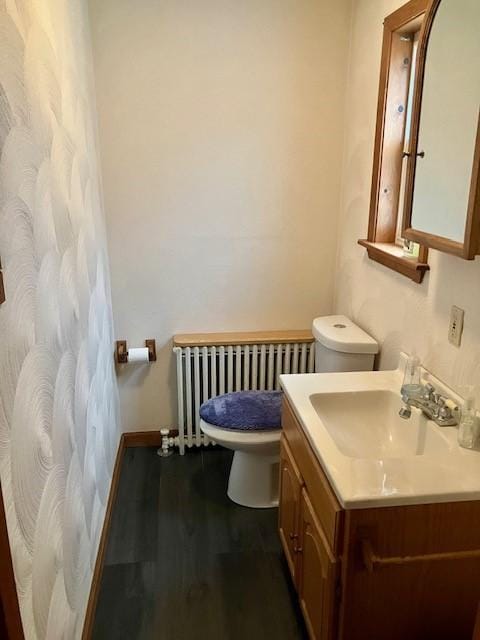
340, 345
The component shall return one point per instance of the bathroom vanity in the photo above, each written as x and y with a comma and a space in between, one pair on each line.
380, 523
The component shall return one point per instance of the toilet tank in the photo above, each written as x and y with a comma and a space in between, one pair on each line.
340, 345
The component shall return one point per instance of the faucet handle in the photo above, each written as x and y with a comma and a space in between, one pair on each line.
428, 391
444, 411
405, 412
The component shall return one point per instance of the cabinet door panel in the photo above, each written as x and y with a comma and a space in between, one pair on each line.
317, 576
327, 508
289, 507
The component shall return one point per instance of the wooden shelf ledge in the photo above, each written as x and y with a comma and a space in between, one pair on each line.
391, 256
242, 337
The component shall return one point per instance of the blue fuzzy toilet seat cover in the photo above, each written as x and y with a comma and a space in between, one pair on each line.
244, 410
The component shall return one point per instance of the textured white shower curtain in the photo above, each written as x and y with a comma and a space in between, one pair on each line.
58, 399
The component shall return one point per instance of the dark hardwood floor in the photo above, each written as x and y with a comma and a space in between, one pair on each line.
185, 563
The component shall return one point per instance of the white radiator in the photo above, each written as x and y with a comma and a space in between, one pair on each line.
204, 372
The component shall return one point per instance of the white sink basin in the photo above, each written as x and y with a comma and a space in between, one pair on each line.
366, 424
371, 456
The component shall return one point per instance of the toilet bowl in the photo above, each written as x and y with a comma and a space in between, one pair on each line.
253, 480
249, 422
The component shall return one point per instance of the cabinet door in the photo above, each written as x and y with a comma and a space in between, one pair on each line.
317, 575
289, 507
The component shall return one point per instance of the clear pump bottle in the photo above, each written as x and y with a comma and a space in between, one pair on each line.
468, 427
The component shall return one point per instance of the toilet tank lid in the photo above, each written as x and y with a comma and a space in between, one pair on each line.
339, 333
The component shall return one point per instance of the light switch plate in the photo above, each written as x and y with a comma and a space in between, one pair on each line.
456, 326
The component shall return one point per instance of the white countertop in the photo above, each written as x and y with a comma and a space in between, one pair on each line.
446, 476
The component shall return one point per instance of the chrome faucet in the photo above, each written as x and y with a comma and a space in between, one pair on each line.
432, 404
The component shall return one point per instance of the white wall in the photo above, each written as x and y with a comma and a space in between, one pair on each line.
399, 313
58, 403
221, 128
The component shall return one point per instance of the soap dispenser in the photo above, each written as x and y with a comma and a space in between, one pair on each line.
468, 427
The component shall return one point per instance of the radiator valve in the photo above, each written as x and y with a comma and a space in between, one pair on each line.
167, 444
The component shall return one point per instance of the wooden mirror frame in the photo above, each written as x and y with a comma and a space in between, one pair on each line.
470, 247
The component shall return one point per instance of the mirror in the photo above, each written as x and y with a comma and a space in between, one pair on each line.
442, 208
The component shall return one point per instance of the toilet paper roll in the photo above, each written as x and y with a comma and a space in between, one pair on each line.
138, 355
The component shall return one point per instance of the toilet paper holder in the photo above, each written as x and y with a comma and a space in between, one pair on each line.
121, 351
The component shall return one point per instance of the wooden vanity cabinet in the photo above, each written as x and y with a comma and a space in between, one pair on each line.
317, 574
387, 573
288, 520
309, 557
310, 526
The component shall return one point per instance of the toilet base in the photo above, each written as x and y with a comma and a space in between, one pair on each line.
253, 480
